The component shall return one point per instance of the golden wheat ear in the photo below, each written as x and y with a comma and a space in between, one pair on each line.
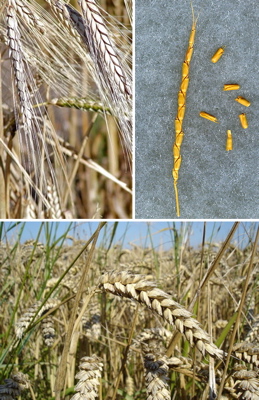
179, 134
89, 378
156, 378
138, 288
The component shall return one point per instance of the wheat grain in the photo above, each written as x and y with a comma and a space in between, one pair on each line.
138, 288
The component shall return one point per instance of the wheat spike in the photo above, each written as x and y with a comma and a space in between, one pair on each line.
100, 39
248, 352
17, 59
81, 104
179, 134
89, 374
52, 195
156, 377
246, 384
26, 13
137, 287
71, 18
13, 386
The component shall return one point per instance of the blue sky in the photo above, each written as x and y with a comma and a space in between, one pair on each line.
133, 232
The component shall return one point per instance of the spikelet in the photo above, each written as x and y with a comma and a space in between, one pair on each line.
92, 327
138, 288
156, 377
89, 374
13, 386
29, 316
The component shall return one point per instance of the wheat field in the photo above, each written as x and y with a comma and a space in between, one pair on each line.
65, 109
94, 318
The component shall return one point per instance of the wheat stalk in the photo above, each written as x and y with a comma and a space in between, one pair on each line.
138, 288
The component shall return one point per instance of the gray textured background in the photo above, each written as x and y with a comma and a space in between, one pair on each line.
212, 183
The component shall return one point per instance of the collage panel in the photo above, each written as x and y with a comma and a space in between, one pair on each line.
66, 109
196, 109
129, 310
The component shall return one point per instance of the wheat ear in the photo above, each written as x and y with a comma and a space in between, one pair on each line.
246, 384
179, 134
71, 18
31, 313
89, 375
248, 352
52, 195
138, 288
103, 47
25, 13
17, 59
13, 386
81, 104
156, 377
